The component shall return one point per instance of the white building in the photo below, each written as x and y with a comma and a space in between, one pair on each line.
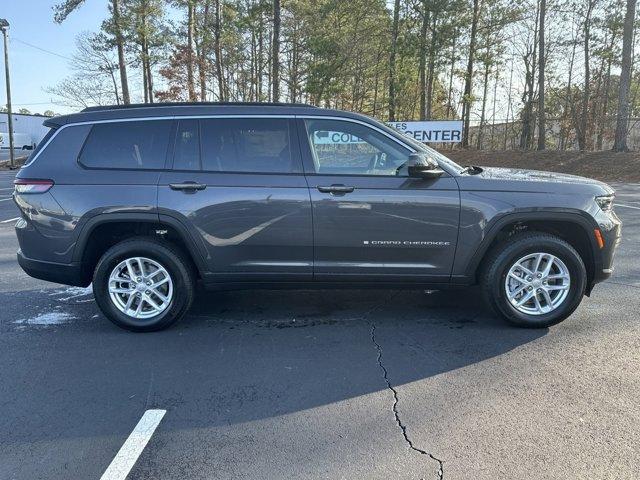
29, 125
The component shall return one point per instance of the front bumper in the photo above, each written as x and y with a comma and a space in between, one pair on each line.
611, 227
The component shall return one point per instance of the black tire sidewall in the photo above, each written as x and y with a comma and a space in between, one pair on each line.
576, 291
154, 251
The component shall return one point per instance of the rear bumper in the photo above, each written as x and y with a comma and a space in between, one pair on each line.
67, 274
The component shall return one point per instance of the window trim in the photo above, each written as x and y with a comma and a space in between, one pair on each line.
294, 117
173, 140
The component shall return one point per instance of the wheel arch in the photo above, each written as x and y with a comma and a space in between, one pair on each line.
101, 232
576, 228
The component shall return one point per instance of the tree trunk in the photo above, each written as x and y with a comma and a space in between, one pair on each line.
542, 133
260, 59
452, 71
122, 65
218, 51
202, 47
468, 79
584, 114
567, 104
190, 41
275, 52
423, 62
526, 136
392, 61
493, 114
509, 106
149, 76
484, 100
432, 64
605, 103
622, 121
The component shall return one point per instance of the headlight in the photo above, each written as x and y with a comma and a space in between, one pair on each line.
605, 202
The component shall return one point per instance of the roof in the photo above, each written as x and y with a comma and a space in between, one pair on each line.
115, 112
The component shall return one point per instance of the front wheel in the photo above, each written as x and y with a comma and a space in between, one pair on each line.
143, 284
535, 280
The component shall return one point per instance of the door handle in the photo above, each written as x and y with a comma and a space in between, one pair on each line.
187, 186
336, 189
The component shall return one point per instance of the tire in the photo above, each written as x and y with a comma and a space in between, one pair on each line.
521, 247
178, 290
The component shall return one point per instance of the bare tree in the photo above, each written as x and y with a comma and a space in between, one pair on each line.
468, 79
583, 123
94, 77
275, 52
542, 134
392, 61
622, 121
64, 9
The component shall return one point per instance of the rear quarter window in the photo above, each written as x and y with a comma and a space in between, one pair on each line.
127, 145
41, 144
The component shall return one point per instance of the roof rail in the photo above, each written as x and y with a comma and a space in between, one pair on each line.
193, 104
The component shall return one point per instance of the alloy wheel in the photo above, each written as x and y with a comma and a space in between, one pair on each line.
537, 283
140, 287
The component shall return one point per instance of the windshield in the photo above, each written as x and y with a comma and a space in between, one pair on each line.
421, 147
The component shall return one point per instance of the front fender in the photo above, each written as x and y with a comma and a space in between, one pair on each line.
475, 240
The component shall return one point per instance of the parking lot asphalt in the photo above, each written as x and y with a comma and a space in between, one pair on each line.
332, 384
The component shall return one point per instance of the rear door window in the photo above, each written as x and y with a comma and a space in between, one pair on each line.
253, 145
127, 145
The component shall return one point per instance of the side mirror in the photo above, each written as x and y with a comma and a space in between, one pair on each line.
421, 166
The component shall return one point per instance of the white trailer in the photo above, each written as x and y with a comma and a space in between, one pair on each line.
27, 130
21, 141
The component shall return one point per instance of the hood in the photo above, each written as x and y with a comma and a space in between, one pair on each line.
519, 180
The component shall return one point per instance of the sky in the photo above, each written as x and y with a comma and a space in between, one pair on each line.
33, 70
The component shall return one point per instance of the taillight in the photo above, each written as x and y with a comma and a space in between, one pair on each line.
29, 185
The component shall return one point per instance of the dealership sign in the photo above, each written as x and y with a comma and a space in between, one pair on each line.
436, 131
324, 137
431, 131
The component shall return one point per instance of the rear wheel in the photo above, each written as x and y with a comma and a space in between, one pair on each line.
143, 284
534, 280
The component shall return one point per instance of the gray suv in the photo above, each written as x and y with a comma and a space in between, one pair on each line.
147, 202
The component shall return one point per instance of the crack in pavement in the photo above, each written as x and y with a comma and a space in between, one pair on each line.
402, 426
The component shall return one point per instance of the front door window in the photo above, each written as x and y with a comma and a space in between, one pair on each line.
347, 148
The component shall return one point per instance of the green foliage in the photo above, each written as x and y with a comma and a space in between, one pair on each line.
336, 53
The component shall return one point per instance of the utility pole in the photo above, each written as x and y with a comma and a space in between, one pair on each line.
4, 26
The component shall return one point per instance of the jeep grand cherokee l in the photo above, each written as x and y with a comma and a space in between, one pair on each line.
145, 202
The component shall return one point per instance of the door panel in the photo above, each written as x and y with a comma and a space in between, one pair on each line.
377, 226
258, 224
254, 226
386, 228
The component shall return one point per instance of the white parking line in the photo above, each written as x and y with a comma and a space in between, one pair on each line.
626, 206
133, 446
10, 220
6, 199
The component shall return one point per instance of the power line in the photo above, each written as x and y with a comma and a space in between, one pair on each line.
41, 49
